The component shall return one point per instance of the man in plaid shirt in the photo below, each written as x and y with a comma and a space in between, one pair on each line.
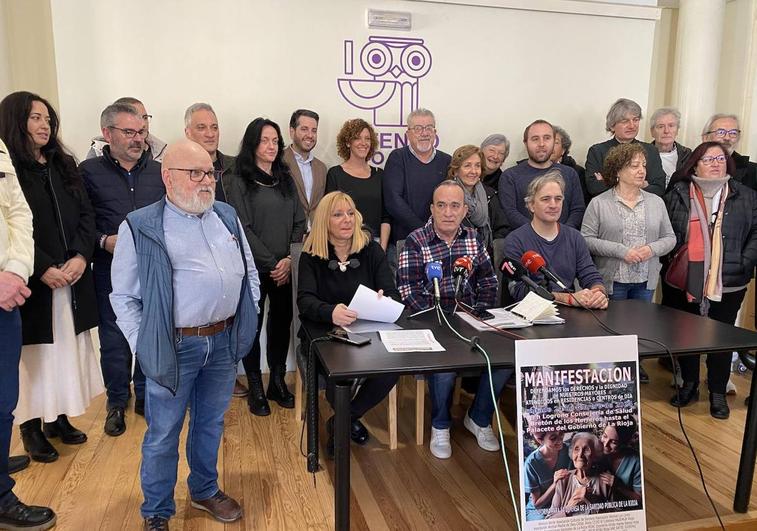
444, 240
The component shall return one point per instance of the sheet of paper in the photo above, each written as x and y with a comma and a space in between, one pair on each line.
363, 327
502, 319
533, 307
369, 307
410, 341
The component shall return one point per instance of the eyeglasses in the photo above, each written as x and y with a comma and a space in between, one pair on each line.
130, 133
418, 129
707, 161
732, 133
198, 175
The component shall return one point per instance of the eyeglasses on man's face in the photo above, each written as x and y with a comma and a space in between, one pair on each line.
722, 133
198, 175
130, 133
419, 129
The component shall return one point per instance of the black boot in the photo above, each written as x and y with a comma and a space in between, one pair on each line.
719, 406
63, 429
256, 399
21, 516
35, 443
688, 393
277, 388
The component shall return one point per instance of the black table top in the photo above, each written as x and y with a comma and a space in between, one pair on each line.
682, 332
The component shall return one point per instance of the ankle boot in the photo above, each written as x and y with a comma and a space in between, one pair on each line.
35, 443
688, 393
256, 400
277, 388
719, 406
62, 428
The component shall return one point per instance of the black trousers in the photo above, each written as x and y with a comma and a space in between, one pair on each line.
277, 328
718, 365
370, 394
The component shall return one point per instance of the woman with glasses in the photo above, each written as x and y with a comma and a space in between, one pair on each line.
59, 373
715, 217
265, 198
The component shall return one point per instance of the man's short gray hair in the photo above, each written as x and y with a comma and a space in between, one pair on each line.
565, 137
552, 176
417, 113
448, 182
193, 109
719, 116
497, 140
618, 111
662, 111
108, 116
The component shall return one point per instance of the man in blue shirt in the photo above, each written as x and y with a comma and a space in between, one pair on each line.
185, 293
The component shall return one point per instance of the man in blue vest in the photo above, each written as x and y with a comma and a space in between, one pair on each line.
185, 295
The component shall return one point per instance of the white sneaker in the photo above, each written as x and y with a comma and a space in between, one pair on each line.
484, 436
440, 446
730, 388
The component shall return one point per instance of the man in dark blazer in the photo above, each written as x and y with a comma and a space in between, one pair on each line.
308, 172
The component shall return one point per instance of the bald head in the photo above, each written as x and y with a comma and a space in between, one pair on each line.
189, 194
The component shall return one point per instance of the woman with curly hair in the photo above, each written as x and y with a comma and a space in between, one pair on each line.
356, 143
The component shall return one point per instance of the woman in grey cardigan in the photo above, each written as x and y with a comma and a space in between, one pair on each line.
627, 229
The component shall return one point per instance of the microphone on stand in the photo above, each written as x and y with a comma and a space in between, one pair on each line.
460, 271
434, 275
515, 271
535, 263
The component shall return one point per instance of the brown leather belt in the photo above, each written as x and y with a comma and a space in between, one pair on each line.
206, 330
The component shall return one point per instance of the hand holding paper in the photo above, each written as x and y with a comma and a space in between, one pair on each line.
372, 306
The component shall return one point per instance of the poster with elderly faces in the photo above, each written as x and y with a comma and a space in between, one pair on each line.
579, 429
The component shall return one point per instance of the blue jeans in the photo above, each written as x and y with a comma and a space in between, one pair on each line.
115, 354
441, 385
10, 355
631, 290
206, 379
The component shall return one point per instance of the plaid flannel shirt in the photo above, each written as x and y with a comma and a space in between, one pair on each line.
422, 246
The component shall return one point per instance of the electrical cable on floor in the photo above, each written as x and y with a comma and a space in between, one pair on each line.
308, 369
474, 343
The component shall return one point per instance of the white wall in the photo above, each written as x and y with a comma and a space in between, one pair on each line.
494, 69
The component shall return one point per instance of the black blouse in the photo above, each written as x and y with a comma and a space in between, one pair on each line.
321, 288
367, 194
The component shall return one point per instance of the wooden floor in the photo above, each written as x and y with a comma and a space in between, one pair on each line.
96, 485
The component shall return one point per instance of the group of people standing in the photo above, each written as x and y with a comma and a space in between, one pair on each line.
173, 251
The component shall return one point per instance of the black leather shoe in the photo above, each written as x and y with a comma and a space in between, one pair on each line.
643, 376
115, 424
139, 406
277, 388
719, 406
688, 393
21, 516
63, 429
16, 463
155, 523
256, 400
35, 443
358, 432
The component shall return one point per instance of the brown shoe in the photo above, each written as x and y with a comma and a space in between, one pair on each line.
155, 523
222, 507
240, 391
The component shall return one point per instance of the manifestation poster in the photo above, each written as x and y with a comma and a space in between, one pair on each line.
579, 434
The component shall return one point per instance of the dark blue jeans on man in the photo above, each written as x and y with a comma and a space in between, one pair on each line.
10, 355
115, 354
441, 385
207, 371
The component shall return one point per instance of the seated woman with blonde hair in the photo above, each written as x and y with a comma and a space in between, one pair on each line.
337, 257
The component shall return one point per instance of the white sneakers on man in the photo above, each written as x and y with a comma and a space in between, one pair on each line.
440, 446
484, 436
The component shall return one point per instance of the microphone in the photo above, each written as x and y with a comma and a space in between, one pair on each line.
434, 275
513, 270
460, 271
535, 263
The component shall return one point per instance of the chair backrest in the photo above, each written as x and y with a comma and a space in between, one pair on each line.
295, 250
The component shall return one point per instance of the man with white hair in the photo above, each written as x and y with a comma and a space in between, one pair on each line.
185, 293
664, 125
725, 129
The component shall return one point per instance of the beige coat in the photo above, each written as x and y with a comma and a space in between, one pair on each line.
16, 243
319, 181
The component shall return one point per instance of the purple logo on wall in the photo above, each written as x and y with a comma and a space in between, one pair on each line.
389, 77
